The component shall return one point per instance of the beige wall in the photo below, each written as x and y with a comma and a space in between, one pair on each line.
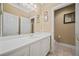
43, 26
66, 32
37, 26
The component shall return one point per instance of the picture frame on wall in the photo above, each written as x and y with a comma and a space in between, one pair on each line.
46, 16
69, 18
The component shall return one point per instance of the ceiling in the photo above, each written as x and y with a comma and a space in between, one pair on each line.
32, 6
51, 4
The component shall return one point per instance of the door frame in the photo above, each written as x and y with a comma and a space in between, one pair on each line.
33, 17
52, 19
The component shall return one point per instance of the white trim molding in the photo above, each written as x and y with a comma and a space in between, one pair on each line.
62, 5
67, 45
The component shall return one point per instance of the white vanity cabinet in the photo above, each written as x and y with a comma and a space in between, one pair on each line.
38, 46
77, 46
35, 49
27, 51
45, 46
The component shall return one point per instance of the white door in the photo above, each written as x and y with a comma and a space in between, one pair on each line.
10, 24
77, 29
25, 25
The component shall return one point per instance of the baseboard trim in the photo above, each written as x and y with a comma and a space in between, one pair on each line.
67, 45
52, 47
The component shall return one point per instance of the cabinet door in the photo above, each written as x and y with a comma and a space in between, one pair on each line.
45, 46
35, 49
10, 24
27, 51
77, 48
48, 44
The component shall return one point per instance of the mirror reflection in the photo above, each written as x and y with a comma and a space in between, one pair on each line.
15, 18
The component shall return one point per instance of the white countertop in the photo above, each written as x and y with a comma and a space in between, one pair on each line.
13, 42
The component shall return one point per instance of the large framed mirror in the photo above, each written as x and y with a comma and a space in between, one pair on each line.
14, 21
10, 24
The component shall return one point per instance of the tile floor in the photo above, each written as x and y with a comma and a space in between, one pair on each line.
61, 50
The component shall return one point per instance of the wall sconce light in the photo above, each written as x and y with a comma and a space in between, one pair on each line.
46, 16
38, 18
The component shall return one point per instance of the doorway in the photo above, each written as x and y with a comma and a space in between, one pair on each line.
64, 33
32, 25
